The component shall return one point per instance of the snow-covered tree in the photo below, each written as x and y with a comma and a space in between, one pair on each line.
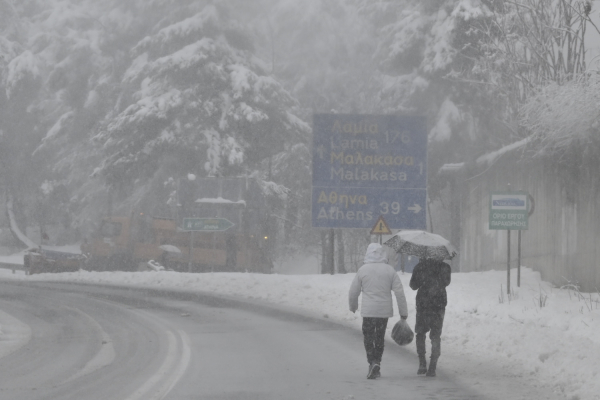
52, 87
195, 99
19, 85
418, 44
125, 95
563, 121
520, 46
469, 65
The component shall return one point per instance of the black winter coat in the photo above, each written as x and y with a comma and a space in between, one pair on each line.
430, 278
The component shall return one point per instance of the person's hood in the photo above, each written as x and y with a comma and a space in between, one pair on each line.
376, 254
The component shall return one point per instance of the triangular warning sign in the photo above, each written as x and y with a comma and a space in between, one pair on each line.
380, 228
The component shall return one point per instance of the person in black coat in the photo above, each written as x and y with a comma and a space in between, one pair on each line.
430, 278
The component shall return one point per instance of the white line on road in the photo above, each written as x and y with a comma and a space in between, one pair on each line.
178, 372
14, 334
161, 383
172, 369
105, 356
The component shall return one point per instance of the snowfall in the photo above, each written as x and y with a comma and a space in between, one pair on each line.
541, 337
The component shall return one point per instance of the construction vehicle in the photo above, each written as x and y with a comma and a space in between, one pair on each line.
132, 242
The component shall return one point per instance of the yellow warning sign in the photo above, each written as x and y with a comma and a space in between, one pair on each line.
380, 228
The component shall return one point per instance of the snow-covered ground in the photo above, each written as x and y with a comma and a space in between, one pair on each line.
543, 336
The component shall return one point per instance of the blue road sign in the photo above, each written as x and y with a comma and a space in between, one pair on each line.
366, 166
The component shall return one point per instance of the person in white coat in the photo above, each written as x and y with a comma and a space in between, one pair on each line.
376, 280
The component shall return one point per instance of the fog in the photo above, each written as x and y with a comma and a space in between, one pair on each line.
126, 126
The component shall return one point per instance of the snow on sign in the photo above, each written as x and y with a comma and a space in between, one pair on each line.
509, 210
366, 166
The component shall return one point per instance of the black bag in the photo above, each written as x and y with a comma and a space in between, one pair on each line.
401, 333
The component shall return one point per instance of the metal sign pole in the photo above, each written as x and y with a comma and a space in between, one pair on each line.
508, 255
519, 259
530, 212
331, 251
190, 251
508, 262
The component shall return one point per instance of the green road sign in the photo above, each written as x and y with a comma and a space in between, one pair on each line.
207, 224
509, 210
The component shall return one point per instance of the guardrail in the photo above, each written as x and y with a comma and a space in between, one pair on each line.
14, 267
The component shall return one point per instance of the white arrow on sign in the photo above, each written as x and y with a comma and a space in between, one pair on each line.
417, 208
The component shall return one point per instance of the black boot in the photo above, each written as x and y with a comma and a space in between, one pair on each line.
373, 371
432, 366
422, 365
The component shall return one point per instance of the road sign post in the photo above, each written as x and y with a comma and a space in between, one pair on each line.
192, 225
369, 165
190, 251
530, 212
510, 211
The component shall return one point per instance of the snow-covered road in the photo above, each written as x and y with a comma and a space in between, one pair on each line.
512, 348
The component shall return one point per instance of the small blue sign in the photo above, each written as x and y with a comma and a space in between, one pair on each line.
508, 202
366, 166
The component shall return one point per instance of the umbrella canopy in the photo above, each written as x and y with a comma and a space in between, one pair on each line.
422, 244
170, 248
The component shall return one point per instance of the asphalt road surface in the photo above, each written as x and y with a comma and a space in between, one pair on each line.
73, 341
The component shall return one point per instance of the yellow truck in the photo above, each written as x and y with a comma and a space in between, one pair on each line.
130, 242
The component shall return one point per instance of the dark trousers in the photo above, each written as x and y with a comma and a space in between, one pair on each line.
374, 334
429, 321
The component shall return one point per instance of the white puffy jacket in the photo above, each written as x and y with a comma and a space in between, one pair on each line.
377, 280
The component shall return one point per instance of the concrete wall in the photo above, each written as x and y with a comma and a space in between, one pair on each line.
563, 240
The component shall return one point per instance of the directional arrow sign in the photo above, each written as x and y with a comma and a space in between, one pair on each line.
416, 208
364, 166
206, 224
